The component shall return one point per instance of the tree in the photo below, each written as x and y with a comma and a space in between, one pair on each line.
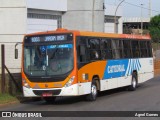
154, 28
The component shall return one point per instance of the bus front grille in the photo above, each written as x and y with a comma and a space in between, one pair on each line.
41, 92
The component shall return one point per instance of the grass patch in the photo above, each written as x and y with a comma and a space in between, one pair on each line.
6, 98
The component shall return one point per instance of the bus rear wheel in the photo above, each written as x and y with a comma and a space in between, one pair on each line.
93, 95
49, 99
133, 85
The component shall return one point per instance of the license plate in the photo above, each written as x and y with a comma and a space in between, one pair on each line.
46, 94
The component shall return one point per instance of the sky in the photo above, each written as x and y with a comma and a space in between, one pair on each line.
132, 8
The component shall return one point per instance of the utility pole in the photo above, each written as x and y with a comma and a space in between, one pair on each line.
115, 18
150, 9
3, 68
141, 19
93, 17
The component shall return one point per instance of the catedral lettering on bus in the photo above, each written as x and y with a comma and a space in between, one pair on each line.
73, 63
116, 68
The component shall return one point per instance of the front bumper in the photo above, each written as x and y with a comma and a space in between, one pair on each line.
65, 91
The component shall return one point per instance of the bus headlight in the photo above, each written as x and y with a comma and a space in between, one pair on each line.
25, 84
69, 83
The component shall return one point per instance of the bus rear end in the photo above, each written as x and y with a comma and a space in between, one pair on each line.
48, 65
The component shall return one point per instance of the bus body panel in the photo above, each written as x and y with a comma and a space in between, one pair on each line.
117, 73
110, 73
84, 88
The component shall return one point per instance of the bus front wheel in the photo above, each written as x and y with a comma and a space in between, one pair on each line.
93, 95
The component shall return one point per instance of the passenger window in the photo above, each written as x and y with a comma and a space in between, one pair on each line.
94, 44
127, 49
106, 51
82, 51
135, 49
149, 49
94, 49
115, 49
143, 46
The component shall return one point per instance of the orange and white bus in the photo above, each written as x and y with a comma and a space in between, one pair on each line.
73, 63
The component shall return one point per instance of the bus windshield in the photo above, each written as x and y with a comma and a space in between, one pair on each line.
48, 60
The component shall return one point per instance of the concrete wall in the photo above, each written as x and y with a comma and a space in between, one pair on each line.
109, 27
12, 3
79, 15
13, 15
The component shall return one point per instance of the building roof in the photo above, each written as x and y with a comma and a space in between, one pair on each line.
55, 5
135, 20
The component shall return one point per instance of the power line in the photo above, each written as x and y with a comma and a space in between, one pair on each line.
136, 6
141, 7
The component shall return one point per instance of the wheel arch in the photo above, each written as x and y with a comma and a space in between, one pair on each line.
135, 72
97, 79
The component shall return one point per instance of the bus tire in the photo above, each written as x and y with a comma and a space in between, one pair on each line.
49, 99
133, 85
93, 95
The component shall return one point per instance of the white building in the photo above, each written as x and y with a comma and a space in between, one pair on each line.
109, 19
19, 17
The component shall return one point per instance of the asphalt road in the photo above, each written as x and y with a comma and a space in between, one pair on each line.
145, 98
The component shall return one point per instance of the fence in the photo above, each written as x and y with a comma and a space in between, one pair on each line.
9, 83
157, 67
10, 86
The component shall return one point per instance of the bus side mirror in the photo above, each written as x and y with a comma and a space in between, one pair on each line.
16, 53
82, 50
16, 50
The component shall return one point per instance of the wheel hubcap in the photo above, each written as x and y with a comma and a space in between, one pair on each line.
94, 90
134, 83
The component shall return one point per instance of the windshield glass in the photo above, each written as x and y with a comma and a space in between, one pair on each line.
48, 60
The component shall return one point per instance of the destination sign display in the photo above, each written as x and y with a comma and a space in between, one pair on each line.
49, 38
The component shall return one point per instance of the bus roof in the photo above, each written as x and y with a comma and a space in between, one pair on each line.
94, 34
112, 35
